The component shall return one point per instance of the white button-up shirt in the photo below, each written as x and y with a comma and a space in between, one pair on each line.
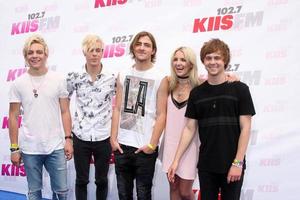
93, 109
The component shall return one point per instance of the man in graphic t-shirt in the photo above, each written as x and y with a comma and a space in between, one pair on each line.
138, 120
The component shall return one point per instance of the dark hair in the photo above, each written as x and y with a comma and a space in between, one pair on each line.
136, 39
216, 45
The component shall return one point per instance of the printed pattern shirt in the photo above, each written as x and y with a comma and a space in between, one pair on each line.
93, 104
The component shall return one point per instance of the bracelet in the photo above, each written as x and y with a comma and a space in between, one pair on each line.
237, 163
17, 151
14, 145
69, 137
12, 150
151, 147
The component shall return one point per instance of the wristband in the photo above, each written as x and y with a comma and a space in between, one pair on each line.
237, 163
17, 151
151, 147
69, 137
14, 149
14, 145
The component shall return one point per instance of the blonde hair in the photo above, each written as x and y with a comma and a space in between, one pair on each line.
190, 57
35, 39
90, 42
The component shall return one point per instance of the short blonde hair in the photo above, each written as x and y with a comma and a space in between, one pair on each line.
90, 42
35, 39
190, 57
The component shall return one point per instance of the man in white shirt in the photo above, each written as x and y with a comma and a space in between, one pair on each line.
42, 94
138, 120
95, 88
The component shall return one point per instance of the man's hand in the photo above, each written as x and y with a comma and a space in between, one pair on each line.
115, 145
15, 158
146, 149
68, 149
230, 77
234, 174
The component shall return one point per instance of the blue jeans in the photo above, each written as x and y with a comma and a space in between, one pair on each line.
56, 165
130, 166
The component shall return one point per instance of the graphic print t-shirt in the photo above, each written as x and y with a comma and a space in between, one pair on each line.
138, 108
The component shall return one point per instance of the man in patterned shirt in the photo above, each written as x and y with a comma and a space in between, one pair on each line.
92, 121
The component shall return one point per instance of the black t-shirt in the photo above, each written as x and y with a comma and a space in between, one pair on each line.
217, 109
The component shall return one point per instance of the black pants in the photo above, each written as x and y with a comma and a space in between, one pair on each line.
130, 166
212, 183
83, 151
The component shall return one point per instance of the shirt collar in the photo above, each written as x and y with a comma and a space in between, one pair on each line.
84, 72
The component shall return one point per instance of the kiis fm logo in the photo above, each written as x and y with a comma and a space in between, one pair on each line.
14, 73
114, 50
228, 18
12, 170
248, 77
270, 188
118, 48
36, 22
105, 3
17, 72
270, 162
5, 122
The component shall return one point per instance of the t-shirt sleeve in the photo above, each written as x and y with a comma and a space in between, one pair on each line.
63, 92
13, 94
115, 83
70, 82
191, 111
246, 105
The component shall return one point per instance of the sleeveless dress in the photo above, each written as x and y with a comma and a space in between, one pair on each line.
187, 167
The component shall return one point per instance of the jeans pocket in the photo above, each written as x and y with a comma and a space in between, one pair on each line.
116, 152
148, 155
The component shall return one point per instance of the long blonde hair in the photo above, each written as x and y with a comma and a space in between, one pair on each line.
190, 57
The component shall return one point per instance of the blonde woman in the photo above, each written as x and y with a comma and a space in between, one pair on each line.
184, 77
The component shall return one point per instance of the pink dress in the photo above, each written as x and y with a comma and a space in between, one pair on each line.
187, 168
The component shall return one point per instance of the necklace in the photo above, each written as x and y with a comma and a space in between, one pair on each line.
183, 88
37, 87
182, 77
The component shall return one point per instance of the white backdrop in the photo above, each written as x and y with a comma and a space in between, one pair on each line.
264, 39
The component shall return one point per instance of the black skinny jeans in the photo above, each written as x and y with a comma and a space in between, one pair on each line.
83, 151
130, 166
211, 183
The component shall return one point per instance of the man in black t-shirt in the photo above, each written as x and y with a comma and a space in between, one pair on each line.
222, 113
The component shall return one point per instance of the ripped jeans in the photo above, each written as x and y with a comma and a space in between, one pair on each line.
56, 165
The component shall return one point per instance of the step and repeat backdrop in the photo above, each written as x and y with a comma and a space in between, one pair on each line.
264, 39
